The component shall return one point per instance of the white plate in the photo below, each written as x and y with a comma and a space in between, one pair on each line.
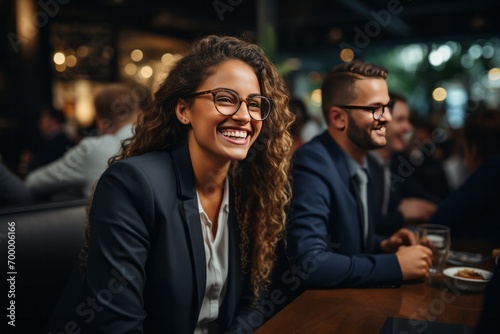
465, 258
468, 284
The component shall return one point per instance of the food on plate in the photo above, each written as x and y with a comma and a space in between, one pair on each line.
469, 273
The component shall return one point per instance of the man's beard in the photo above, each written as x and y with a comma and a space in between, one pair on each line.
359, 137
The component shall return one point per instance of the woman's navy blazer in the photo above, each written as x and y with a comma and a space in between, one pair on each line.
146, 262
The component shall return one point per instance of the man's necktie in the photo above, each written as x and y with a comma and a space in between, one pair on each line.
363, 196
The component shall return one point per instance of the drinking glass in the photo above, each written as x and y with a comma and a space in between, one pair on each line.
437, 238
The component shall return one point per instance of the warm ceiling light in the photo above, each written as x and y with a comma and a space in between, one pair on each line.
71, 61
346, 55
439, 94
494, 74
130, 69
59, 58
60, 68
316, 97
146, 71
167, 58
136, 55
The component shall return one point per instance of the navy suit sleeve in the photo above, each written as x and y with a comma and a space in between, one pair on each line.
119, 244
315, 262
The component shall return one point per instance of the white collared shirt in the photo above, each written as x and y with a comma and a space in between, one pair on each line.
216, 255
353, 166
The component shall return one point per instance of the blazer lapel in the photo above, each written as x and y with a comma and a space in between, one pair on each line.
336, 154
190, 212
349, 182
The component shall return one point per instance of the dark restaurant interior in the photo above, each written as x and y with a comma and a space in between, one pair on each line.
442, 55
57, 52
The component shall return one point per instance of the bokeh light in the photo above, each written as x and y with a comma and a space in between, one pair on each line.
146, 72
316, 97
439, 94
494, 74
130, 69
346, 55
71, 61
136, 55
167, 58
59, 58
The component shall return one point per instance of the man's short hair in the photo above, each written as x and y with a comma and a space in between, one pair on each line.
116, 102
338, 84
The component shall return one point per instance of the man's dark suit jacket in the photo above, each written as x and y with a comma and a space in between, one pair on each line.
146, 266
403, 185
324, 226
393, 220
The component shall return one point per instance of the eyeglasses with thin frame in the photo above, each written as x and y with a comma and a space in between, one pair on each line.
228, 102
377, 111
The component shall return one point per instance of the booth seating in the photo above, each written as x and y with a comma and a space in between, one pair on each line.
48, 238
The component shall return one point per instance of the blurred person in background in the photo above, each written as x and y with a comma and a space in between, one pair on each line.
473, 210
116, 108
400, 202
313, 126
55, 141
454, 164
425, 158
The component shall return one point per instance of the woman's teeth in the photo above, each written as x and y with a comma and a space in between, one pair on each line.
234, 134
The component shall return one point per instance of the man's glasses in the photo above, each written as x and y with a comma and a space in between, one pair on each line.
377, 111
228, 102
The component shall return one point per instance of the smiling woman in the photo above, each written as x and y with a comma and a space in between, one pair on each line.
188, 204
223, 129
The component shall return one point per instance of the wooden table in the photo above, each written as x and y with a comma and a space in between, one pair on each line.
365, 310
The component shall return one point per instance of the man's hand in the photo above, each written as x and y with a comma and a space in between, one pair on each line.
403, 237
416, 209
414, 261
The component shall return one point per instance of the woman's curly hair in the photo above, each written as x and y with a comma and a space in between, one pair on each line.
261, 181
